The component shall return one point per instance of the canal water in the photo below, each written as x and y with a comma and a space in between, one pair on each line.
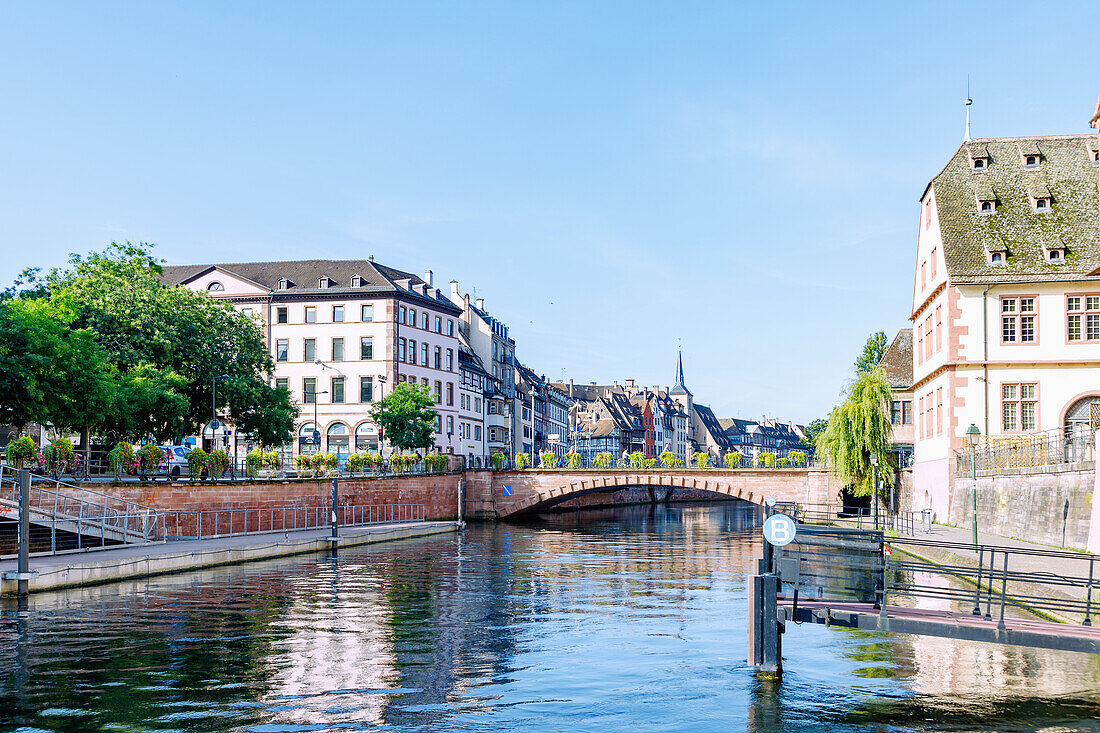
629, 619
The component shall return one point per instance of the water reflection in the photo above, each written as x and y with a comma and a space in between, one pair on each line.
598, 620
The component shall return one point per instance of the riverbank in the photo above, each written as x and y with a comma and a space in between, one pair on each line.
142, 561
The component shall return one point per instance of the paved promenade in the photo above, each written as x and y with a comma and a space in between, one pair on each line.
136, 561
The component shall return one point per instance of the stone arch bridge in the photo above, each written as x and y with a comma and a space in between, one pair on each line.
513, 493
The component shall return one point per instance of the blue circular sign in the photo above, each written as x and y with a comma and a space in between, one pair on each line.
779, 529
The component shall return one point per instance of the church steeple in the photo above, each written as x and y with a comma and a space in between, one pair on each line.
680, 388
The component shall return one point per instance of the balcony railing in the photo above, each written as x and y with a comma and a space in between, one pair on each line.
1058, 449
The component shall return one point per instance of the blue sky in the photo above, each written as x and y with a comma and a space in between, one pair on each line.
611, 177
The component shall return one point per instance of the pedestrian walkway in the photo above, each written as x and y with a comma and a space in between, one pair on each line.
134, 561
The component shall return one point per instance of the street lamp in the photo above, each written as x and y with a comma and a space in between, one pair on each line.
214, 406
972, 437
874, 486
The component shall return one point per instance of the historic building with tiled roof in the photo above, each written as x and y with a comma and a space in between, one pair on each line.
897, 364
1006, 299
341, 334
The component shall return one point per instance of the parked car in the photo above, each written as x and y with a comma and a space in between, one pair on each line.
176, 463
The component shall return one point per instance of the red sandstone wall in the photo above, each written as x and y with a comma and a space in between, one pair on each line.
438, 494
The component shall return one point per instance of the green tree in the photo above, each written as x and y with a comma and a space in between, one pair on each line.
138, 321
814, 429
50, 373
857, 428
407, 416
873, 350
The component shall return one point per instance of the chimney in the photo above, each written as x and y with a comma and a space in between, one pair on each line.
371, 258
570, 389
480, 303
455, 297
629, 383
428, 278
466, 301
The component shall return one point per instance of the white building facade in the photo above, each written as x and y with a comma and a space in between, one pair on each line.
1006, 301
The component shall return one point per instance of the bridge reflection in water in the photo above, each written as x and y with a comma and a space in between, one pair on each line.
631, 618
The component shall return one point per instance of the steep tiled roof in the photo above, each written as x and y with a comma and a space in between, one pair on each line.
304, 276
1066, 173
897, 360
710, 422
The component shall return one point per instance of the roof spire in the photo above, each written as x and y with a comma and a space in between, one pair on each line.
680, 388
969, 101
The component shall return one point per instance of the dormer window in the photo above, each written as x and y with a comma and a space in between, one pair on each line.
1055, 255
283, 283
323, 282
996, 254
215, 287
984, 195
1030, 156
979, 162
996, 257
979, 156
1040, 197
356, 281
1055, 252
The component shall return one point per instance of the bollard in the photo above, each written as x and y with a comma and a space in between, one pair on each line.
24, 563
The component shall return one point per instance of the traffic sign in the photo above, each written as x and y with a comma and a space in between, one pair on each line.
507, 490
779, 529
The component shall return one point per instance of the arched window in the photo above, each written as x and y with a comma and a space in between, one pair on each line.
337, 435
307, 442
215, 287
366, 437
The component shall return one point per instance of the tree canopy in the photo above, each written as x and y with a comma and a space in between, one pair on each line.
858, 428
873, 350
814, 429
407, 416
147, 353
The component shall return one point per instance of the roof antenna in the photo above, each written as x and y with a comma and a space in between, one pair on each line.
969, 102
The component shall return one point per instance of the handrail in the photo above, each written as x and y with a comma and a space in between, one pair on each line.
198, 524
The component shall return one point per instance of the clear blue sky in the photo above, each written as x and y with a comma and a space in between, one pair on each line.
611, 177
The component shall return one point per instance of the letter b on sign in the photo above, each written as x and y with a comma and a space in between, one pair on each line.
779, 529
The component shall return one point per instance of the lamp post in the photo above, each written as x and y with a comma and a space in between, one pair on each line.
972, 437
874, 486
214, 406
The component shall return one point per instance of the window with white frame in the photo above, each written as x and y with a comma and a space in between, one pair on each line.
1018, 407
311, 314
1082, 318
1018, 320
367, 314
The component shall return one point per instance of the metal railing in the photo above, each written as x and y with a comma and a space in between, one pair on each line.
901, 522
1071, 444
81, 516
203, 524
847, 563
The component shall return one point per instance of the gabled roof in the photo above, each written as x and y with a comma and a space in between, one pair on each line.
897, 360
1065, 174
712, 425
471, 362
305, 274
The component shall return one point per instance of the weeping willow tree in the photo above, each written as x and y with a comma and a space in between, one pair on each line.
857, 428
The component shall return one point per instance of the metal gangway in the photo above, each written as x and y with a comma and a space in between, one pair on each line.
68, 517
862, 578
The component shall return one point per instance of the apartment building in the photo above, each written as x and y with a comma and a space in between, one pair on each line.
1006, 299
341, 333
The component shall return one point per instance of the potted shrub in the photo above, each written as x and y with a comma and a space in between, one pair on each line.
149, 457
253, 462
602, 460
796, 458
271, 463
732, 459
57, 457
522, 461
196, 462
304, 465
702, 460
651, 463
122, 460
666, 458
782, 463
637, 459
354, 463
219, 462
573, 460
549, 459
497, 459
20, 452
